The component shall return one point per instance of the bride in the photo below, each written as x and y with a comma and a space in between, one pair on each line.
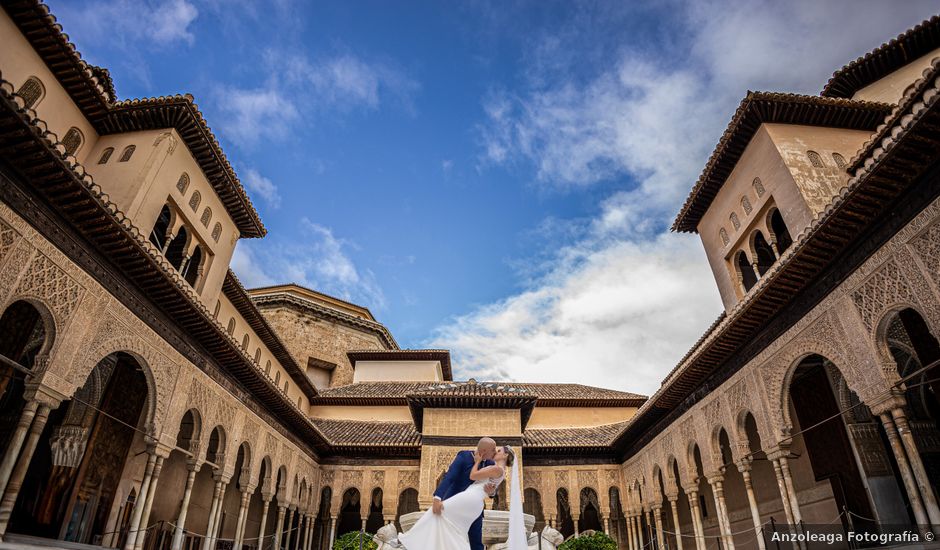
448, 530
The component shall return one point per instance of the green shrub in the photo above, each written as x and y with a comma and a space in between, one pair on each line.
350, 541
597, 541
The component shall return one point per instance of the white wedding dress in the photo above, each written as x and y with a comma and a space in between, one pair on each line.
449, 529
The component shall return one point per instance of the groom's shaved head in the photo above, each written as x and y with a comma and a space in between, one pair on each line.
487, 447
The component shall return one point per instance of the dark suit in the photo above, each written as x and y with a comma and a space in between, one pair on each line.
456, 480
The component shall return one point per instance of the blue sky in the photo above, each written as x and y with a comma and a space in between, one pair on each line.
496, 178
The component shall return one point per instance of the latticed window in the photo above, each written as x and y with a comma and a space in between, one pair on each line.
182, 184
195, 200
724, 236
814, 159
746, 205
206, 216
106, 155
216, 232
72, 140
735, 221
758, 187
128, 153
840, 160
31, 91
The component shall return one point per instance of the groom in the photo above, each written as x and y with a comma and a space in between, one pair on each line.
457, 480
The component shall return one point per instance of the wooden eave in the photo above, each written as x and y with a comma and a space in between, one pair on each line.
236, 294
61, 184
887, 58
769, 107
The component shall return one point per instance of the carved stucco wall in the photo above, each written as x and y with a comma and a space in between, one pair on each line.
87, 324
847, 327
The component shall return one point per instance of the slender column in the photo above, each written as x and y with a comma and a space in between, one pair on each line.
16, 443
179, 533
151, 490
696, 518
724, 522
658, 514
745, 468
18, 474
217, 526
917, 466
649, 525
637, 519
332, 530
630, 535
289, 528
675, 520
574, 521
605, 521
242, 516
213, 508
141, 502
311, 520
279, 526
904, 466
266, 503
782, 487
788, 480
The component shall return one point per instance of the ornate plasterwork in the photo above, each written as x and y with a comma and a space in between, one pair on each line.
407, 479
886, 287
587, 478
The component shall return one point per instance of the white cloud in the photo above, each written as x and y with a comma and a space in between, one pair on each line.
159, 22
297, 88
255, 115
624, 300
319, 261
264, 187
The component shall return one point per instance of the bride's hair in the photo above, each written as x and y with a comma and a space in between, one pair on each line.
510, 455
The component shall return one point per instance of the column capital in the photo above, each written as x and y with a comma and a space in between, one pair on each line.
887, 401
43, 394
744, 465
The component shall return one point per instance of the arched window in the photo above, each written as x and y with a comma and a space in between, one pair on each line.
206, 216
298, 401
267, 367
72, 141
257, 355
231, 326
193, 267
182, 184
194, 200
814, 159
31, 91
286, 386
216, 231
735, 221
746, 205
245, 341
758, 187
160, 228
128, 153
176, 249
106, 155
840, 160
277, 378
781, 233
748, 277
218, 306
724, 236
765, 254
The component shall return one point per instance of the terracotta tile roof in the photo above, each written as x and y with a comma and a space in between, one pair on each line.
93, 91
887, 58
359, 433
547, 394
598, 436
770, 107
441, 355
471, 395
